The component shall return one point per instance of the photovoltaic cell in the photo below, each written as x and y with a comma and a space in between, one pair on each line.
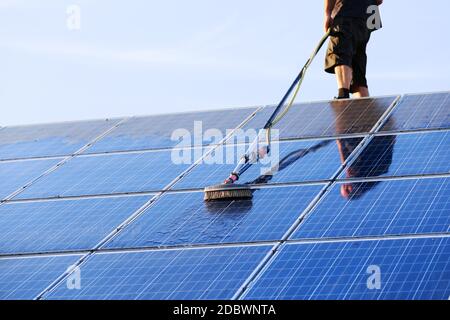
109, 173
14, 175
408, 269
404, 154
152, 132
25, 278
297, 161
197, 274
50, 139
184, 219
381, 208
330, 118
62, 225
421, 111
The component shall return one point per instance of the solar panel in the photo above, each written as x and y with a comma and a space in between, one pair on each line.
62, 225
387, 211
25, 278
14, 175
108, 173
50, 139
417, 206
328, 118
389, 269
184, 219
421, 111
155, 132
404, 154
214, 273
293, 161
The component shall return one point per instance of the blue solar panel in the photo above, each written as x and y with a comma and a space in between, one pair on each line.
15, 175
106, 174
25, 278
152, 132
184, 219
329, 118
50, 139
294, 161
404, 154
407, 269
421, 111
181, 247
62, 225
381, 208
215, 273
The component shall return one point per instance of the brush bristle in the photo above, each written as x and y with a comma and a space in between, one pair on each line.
238, 194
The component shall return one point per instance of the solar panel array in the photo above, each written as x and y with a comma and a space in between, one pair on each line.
352, 204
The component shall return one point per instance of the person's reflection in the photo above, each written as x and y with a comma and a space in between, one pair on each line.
374, 160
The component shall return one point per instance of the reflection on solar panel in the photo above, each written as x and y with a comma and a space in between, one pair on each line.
407, 269
15, 175
296, 161
105, 174
327, 118
404, 154
62, 225
381, 208
338, 198
152, 132
421, 111
25, 278
50, 139
175, 274
183, 219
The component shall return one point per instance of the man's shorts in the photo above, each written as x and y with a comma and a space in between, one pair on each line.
347, 46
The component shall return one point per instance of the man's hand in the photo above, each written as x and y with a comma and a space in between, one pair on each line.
328, 22
329, 6
379, 2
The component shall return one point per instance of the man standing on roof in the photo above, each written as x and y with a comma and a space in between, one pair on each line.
351, 23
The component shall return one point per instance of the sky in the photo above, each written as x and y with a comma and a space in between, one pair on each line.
143, 57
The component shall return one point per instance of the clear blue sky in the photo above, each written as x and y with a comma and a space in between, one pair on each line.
139, 57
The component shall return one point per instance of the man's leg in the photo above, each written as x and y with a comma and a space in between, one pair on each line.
344, 77
361, 92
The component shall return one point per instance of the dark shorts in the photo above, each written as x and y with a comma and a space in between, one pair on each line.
347, 46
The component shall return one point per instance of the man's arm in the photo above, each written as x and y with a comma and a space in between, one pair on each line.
379, 2
329, 6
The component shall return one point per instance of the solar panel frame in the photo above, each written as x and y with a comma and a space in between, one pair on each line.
401, 154
406, 213
14, 175
194, 274
420, 117
183, 219
103, 174
135, 132
23, 278
342, 270
293, 161
62, 225
51, 140
324, 123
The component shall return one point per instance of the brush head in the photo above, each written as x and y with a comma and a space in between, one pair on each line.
228, 192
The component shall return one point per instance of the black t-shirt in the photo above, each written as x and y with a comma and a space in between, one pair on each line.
352, 8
